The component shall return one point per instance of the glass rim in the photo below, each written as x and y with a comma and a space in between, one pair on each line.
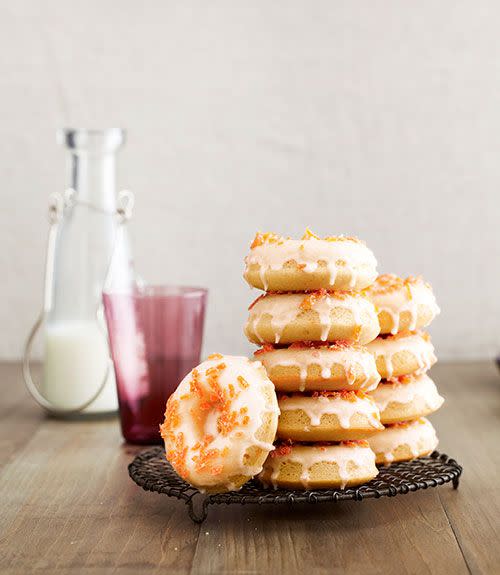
150, 290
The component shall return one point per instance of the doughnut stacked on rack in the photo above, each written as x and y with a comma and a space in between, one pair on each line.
403, 354
313, 323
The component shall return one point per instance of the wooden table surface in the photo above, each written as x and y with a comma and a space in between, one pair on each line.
67, 504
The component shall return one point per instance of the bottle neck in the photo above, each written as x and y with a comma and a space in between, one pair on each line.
93, 177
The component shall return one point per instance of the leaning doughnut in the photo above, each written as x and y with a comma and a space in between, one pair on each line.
327, 416
406, 397
220, 423
276, 263
402, 354
317, 466
317, 316
308, 366
402, 304
404, 441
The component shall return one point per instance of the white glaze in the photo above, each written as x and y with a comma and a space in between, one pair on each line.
237, 441
325, 358
421, 389
309, 455
406, 298
422, 349
343, 408
285, 308
419, 436
352, 255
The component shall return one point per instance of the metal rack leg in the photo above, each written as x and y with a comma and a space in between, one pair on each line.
198, 508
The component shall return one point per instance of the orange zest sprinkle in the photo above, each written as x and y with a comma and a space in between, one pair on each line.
194, 384
206, 456
176, 453
172, 417
355, 443
215, 356
282, 449
405, 333
308, 235
400, 379
357, 332
310, 300
243, 382
344, 394
266, 348
265, 238
344, 239
389, 283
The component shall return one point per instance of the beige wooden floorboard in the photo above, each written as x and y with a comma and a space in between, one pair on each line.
70, 504
469, 428
401, 535
19, 417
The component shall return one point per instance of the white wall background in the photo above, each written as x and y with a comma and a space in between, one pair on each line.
380, 119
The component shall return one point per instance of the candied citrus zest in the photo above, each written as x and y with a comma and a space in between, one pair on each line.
266, 348
176, 453
344, 239
389, 283
400, 423
357, 332
310, 300
355, 443
215, 356
194, 383
336, 346
344, 394
282, 450
172, 417
309, 235
405, 333
265, 238
400, 379
243, 382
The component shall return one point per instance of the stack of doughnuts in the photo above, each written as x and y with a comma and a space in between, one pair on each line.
403, 354
325, 400
313, 323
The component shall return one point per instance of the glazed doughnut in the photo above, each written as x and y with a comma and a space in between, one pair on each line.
327, 416
317, 316
317, 466
276, 263
402, 354
220, 423
406, 397
404, 441
402, 304
307, 366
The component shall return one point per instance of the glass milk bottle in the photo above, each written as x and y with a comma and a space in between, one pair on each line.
78, 375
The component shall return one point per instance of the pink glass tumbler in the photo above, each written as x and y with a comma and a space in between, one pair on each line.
155, 337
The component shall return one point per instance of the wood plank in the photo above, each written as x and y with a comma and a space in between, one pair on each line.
468, 426
19, 415
409, 534
68, 503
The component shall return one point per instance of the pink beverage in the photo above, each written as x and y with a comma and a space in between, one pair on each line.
155, 337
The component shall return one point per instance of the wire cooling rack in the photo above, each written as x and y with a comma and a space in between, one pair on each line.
151, 471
